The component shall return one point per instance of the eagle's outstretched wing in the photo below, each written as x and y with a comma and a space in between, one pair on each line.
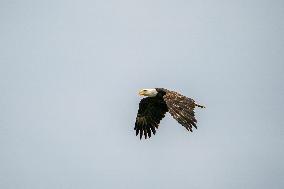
181, 108
151, 111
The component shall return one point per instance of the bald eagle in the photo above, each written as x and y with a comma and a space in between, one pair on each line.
153, 108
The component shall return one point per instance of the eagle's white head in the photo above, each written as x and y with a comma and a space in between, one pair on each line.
148, 92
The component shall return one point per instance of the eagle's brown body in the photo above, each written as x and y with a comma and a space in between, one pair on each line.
153, 109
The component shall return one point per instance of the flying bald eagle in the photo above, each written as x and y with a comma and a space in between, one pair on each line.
153, 108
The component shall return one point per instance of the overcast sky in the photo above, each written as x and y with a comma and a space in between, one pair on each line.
70, 72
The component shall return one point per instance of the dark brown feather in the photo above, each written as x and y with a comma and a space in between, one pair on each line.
151, 111
181, 108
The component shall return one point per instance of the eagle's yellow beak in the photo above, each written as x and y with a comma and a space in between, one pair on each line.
141, 93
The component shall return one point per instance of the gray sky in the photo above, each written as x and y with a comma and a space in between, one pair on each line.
69, 76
